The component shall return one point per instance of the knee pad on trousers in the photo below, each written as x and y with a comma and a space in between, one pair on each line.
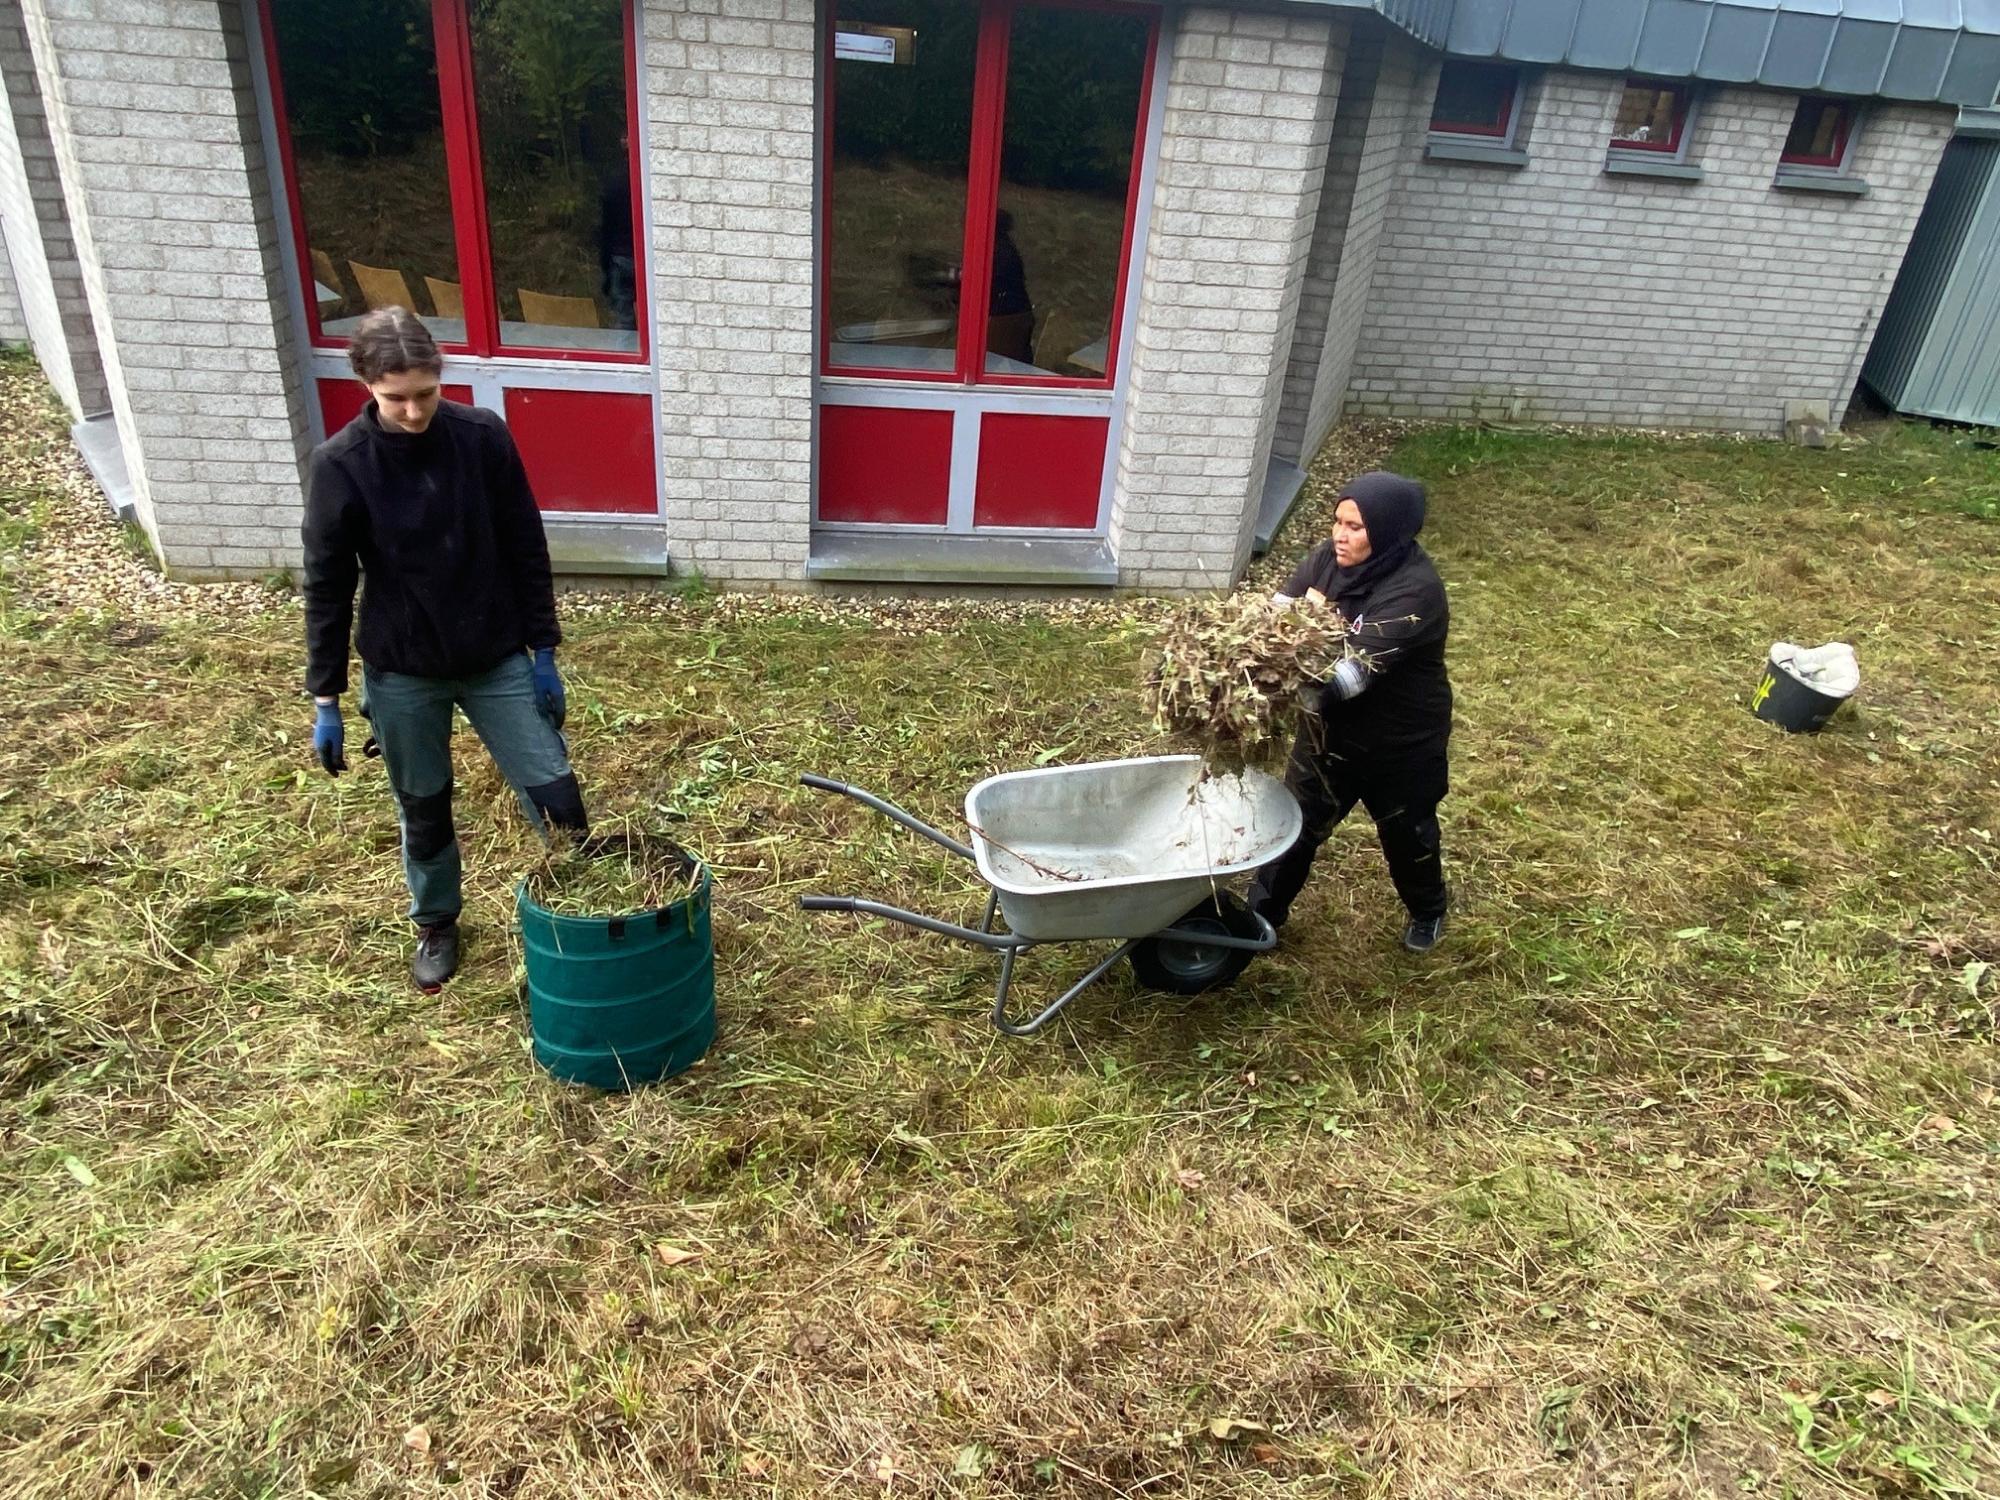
427, 829
560, 802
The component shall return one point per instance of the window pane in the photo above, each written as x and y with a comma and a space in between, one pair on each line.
1473, 99
1819, 133
549, 81
1648, 118
902, 135
368, 156
1073, 83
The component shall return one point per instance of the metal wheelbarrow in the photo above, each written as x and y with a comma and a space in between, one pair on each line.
1131, 851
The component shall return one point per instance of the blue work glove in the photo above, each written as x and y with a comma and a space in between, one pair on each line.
549, 696
330, 738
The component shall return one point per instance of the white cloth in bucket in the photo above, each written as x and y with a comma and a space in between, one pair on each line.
1829, 669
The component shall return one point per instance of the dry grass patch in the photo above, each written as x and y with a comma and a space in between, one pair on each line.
1670, 1175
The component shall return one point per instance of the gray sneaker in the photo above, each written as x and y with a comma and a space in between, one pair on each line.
1423, 933
436, 958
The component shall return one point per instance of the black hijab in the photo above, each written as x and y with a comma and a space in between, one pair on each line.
1392, 508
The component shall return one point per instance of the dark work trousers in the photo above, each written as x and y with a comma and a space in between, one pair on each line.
412, 719
1401, 790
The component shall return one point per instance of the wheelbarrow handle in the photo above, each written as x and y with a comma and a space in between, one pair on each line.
888, 810
1004, 942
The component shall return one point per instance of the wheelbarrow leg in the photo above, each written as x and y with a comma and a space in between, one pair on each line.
1029, 1028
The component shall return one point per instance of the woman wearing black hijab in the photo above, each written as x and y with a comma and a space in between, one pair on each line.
1382, 725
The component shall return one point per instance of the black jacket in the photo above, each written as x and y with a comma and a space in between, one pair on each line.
1400, 623
444, 525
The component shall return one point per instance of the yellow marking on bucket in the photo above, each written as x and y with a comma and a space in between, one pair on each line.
1763, 691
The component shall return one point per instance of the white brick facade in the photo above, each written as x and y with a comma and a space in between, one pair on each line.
1302, 257
729, 87
54, 312
1386, 106
1250, 105
1557, 292
154, 125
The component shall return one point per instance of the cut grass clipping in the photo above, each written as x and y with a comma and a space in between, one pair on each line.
613, 875
1226, 675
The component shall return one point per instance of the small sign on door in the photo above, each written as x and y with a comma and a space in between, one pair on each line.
875, 44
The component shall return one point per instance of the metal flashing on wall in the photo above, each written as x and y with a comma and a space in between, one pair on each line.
1945, 51
1937, 352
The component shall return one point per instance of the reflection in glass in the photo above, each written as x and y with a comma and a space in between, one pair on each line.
1649, 118
1474, 98
1073, 83
1818, 137
549, 83
902, 132
368, 154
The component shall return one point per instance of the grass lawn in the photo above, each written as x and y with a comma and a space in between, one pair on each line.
1671, 1174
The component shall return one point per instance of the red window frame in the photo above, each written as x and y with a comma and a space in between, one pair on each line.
982, 201
1840, 140
1481, 128
466, 184
1671, 146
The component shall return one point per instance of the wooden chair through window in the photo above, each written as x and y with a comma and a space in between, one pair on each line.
328, 277
447, 298
382, 287
558, 312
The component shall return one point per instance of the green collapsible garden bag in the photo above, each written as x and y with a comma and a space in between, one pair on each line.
615, 1002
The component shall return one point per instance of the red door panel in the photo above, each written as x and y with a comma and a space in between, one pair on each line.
340, 401
1039, 471
884, 463
586, 450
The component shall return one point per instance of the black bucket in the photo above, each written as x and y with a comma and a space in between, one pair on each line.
1783, 700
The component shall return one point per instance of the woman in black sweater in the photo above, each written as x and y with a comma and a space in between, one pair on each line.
1377, 732
428, 501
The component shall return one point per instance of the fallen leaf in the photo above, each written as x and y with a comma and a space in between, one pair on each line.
1675, 1162
1942, 1126
753, 1466
75, 1167
885, 1470
1883, 1400
1265, 1453
1971, 974
1889, 1333
418, 1439
1233, 1429
1766, 1284
1190, 1180
974, 1459
674, 1255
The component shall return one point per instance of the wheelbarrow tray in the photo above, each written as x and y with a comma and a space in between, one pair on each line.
1121, 848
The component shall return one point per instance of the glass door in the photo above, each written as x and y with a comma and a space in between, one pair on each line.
474, 161
982, 169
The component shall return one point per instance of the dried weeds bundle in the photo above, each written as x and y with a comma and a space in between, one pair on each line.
613, 874
1226, 674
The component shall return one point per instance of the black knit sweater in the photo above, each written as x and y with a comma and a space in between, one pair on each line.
444, 526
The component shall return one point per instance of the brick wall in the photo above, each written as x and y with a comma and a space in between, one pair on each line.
55, 313
731, 120
13, 322
154, 126
1393, 100
1336, 200
1250, 104
1558, 292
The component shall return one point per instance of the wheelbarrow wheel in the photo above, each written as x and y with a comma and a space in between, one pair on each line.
1179, 967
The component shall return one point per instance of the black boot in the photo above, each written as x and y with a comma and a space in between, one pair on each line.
1423, 933
436, 958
